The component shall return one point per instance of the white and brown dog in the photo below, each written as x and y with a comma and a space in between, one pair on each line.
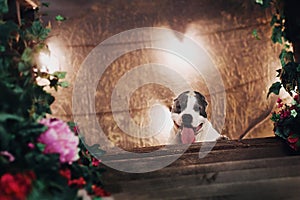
190, 120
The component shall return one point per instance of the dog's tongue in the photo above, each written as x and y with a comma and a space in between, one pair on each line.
187, 135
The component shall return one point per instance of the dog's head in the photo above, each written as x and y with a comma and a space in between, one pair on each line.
189, 115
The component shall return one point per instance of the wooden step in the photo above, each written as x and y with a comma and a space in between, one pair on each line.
191, 157
170, 172
231, 170
277, 188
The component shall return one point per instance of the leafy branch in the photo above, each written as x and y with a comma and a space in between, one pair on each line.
289, 73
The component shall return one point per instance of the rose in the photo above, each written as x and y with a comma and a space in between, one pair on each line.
58, 138
16, 186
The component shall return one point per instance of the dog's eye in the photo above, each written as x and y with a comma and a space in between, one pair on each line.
197, 108
177, 108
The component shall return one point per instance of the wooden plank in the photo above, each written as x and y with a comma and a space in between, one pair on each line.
134, 164
279, 188
162, 183
117, 176
115, 153
232, 170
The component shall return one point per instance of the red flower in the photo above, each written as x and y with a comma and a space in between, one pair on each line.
296, 97
79, 182
16, 186
293, 140
98, 191
76, 130
65, 173
95, 162
279, 100
285, 113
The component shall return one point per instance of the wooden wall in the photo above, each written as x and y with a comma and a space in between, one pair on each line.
223, 27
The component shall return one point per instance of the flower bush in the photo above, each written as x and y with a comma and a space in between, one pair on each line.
287, 121
40, 157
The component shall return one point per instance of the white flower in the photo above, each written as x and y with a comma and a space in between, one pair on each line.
294, 113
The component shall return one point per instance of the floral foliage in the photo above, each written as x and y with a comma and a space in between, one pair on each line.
286, 119
40, 157
287, 122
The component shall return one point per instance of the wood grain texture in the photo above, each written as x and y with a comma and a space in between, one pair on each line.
247, 169
223, 27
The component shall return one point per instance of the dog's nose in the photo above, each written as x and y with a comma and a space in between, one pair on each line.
187, 119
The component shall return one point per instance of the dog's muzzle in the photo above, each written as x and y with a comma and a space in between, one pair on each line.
188, 132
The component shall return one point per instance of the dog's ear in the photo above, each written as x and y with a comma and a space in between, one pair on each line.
201, 98
202, 102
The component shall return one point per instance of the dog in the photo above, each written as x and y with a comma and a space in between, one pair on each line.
190, 120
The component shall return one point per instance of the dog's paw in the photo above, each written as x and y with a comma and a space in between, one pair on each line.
222, 138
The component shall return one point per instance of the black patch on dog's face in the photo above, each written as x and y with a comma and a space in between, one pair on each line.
180, 103
202, 104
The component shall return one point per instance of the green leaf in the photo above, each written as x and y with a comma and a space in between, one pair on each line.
6, 116
298, 68
255, 34
275, 117
60, 75
275, 88
63, 84
277, 34
60, 18
46, 4
273, 20
2, 48
3, 7
22, 67
40, 146
279, 133
37, 31
7, 29
36, 193
282, 57
27, 55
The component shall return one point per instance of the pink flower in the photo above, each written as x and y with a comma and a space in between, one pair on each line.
10, 157
58, 138
30, 145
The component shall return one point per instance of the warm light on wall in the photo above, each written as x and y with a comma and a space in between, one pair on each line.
48, 62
